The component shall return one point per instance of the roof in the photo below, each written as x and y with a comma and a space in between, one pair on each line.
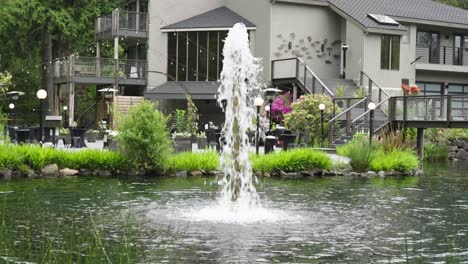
413, 9
222, 17
177, 90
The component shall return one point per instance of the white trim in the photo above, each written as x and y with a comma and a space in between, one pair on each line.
200, 29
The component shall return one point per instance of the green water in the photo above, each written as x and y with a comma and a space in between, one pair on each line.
330, 220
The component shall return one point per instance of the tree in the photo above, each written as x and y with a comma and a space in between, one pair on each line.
457, 3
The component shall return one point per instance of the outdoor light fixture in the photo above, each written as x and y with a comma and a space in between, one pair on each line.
41, 95
322, 109
11, 106
258, 102
12, 109
344, 48
65, 110
15, 94
371, 107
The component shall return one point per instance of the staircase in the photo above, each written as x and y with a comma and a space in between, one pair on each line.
335, 84
125, 102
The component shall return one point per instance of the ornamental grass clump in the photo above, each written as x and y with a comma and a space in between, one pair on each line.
397, 160
188, 161
291, 161
144, 137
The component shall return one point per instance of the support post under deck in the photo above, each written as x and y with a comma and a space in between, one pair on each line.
420, 142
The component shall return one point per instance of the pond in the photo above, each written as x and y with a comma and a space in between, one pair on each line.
338, 220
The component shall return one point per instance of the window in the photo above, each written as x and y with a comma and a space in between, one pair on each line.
195, 56
430, 88
458, 103
390, 52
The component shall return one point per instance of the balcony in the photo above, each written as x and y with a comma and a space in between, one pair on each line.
442, 58
122, 23
100, 71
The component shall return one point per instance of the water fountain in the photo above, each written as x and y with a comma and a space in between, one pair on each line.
239, 86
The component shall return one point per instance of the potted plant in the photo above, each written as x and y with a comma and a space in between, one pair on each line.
92, 135
185, 125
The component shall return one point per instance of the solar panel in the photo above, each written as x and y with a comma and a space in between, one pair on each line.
383, 19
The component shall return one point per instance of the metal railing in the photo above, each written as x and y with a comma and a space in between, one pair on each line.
446, 55
103, 67
340, 125
296, 68
122, 21
374, 96
362, 121
429, 108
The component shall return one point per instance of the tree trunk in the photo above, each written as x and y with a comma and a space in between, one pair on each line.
48, 71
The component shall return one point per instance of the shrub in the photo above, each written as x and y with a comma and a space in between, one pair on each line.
187, 161
392, 140
436, 152
291, 161
281, 106
397, 160
361, 155
305, 114
144, 137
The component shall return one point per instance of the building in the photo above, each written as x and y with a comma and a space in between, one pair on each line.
175, 47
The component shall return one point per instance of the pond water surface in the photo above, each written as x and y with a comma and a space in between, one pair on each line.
326, 220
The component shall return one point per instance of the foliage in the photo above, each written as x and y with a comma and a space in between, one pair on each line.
396, 160
392, 140
16, 157
410, 90
180, 120
291, 161
5, 82
192, 116
457, 3
143, 137
305, 114
379, 156
437, 152
281, 106
441, 135
340, 91
188, 161
360, 92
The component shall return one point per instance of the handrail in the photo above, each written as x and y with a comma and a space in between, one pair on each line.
347, 110
368, 111
85, 112
316, 78
376, 84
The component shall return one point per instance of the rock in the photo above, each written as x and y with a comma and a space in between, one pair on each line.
32, 174
104, 173
181, 174
293, 175
371, 174
50, 170
363, 175
315, 172
85, 172
419, 173
465, 145
458, 143
68, 172
452, 155
6, 174
381, 174
196, 173
462, 154
259, 174
267, 175
453, 149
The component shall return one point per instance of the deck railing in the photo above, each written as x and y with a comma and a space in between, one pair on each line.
296, 68
103, 67
446, 55
122, 21
429, 108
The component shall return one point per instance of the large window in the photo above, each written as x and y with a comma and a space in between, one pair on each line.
390, 52
195, 56
428, 88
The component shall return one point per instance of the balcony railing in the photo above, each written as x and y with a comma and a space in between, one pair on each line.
100, 68
445, 55
122, 23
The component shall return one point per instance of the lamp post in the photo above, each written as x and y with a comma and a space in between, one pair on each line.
258, 102
65, 110
268, 110
371, 107
344, 48
322, 138
12, 109
41, 95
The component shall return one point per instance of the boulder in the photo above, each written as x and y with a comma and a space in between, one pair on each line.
6, 174
50, 170
462, 154
267, 175
465, 145
382, 174
104, 173
293, 175
196, 173
453, 148
181, 174
85, 172
458, 143
371, 173
452, 155
32, 174
68, 172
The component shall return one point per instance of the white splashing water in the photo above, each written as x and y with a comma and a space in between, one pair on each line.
239, 86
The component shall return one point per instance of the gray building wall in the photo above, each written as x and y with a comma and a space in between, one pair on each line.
355, 54
312, 33
259, 13
163, 13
